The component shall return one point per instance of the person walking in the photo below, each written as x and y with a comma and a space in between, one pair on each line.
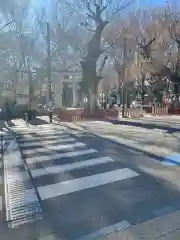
8, 113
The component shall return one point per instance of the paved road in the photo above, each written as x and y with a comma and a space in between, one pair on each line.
84, 184
1, 184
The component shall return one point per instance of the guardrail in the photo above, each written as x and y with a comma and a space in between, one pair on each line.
131, 112
134, 112
160, 110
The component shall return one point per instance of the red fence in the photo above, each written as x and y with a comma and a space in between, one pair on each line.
71, 115
85, 115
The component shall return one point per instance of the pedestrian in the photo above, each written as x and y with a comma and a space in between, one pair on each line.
26, 117
50, 116
8, 113
105, 104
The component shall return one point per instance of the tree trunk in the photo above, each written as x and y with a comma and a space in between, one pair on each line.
89, 63
178, 74
142, 88
93, 97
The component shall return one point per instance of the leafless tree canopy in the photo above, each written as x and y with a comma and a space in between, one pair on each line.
88, 36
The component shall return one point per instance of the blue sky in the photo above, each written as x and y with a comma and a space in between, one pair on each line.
39, 3
152, 2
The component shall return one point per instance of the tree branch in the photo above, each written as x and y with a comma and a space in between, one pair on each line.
114, 41
124, 6
7, 24
102, 65
91, 12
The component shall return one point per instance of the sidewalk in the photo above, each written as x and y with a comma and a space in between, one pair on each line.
161, 228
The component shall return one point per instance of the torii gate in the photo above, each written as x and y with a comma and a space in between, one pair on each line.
60, 77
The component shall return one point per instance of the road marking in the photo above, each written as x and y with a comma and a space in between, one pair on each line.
31, 144
173, 160
60, 155
38, 138
41, 133
79, 184
69, 167
106, 230
49, 132
1, 207
167, 163
55, 148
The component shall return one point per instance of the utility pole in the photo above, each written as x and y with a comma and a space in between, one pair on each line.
123, 85
15, 81
49, 71
30, 89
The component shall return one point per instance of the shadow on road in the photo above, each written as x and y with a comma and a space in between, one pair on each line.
38, 121
146, 125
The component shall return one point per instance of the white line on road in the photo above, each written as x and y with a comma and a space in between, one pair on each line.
69, 167
45, 142
98, 235
41, 132
79, 184
60, 155
55, 148
49, 132
41, 138
106, 230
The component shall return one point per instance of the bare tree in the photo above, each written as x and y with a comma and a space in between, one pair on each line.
95, 23
18, 50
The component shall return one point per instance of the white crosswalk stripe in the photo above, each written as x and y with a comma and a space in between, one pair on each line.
51, 147
52, 141
59, 156
44, 138
69, 167
70, 186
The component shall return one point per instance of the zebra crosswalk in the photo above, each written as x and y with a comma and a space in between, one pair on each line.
65, 147
61, 165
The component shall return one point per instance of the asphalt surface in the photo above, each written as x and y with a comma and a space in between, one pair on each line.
75, 197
